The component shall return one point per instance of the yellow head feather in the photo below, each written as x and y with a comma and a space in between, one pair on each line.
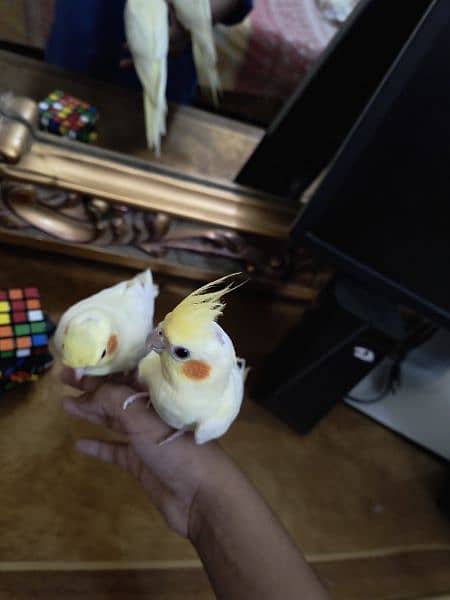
197, 311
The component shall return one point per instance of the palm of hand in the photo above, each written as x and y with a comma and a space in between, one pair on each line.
171, 475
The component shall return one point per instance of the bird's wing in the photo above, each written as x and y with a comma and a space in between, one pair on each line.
196, 17
215, 426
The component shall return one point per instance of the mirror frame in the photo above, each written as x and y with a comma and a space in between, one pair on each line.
227, 225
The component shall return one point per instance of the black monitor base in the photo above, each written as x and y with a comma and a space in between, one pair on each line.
324, 356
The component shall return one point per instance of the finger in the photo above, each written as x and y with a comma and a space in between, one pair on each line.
130, 379
73, 407
111, 452
90, 384
107, 403
85, 384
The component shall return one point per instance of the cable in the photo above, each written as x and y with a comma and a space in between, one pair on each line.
393, 380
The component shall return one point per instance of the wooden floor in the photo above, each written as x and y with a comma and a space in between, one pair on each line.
359, 500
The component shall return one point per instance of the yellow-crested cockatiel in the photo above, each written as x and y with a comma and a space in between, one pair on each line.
108, 332
147, 33
196, 17
194, 379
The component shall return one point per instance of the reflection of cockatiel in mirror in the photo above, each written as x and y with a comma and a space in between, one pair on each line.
194, 379
107, 332
147, 32
196, 17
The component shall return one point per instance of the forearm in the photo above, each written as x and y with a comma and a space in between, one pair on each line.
245, 550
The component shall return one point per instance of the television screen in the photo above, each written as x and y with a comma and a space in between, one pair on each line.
383, 211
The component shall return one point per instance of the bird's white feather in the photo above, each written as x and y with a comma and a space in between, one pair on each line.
147, 33
196, 17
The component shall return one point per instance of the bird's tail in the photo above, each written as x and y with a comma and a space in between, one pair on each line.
155, 106
242, 366
205, 58
146, 280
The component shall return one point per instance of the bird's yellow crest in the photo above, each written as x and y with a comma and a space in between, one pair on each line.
197, 311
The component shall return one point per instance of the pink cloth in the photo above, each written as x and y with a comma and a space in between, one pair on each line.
286, 37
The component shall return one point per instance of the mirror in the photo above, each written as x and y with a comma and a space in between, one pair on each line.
262, 58
224, 192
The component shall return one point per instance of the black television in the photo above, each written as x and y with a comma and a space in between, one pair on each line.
381, 215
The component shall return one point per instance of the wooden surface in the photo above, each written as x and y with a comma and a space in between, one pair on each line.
359, 500
198, 142
13, 22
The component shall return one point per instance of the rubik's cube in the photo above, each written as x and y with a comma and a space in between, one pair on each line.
67, 116
24, 332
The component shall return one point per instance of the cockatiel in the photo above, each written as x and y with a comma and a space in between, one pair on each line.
194, 379
107, 332
196, 17
147, 33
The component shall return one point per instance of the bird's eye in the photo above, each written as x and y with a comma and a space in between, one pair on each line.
181, 353
103, 354
160, 333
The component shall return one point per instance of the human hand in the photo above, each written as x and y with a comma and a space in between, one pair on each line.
174, 476
201, 494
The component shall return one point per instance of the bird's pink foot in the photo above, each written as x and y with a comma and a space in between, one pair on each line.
172, 437
134, 397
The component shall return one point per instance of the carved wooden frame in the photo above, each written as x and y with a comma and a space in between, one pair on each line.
72, 198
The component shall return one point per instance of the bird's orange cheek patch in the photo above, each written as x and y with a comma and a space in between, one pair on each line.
196, 369
112, 344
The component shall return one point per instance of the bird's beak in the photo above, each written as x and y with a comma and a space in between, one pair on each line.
155, 342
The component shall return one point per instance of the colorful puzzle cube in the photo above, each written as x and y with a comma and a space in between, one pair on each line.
67, 116
24, 332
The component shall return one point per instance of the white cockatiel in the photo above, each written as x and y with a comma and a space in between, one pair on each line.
195, 381
147, 34
108, 332
196, 17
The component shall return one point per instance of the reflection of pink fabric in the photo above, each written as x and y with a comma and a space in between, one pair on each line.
286, 36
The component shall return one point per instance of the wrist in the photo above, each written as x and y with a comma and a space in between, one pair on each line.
195, 517
211, 487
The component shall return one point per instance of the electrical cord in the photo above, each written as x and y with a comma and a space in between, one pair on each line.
394, 377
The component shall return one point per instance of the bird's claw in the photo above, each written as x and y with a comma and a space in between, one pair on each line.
134, 397
172, 437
